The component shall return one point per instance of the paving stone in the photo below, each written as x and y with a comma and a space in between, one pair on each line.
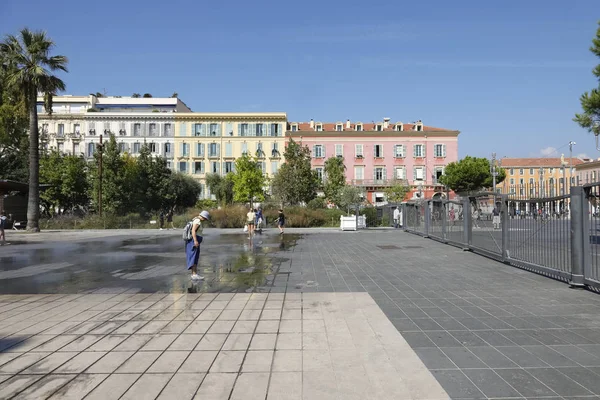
287, 361
45, 387
139, 362
237, 341
264, 341
17, 384
216, 386
181, 386
110, 362
198, 362
147, 387
185, 342
228, 361
113, 387
79, 387
251, 386
168, 362
50, 363
211, 342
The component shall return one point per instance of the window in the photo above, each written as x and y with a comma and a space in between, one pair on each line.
531, 171
551, 170
521, 171
512, 181
521, 181
61, 147
359, 172
214, 130
45, 127
359, 127
399, 173
378, 128
379, 173
275, 150
418, 151
228, 167
136, 148
259, 129
274, 167
152, 130
319, 171
107, 127
243, 129
77, 128
318, 151
152, 147
512, 171
199, 149
437, 173
185, 149
167, 149
228, 149
259, 150
168, 130
183, 166
137, 129
294, 128
378, 151
319, 128
61, 130
92, 129
339, 127
244, 148
531, 181
198, 167
213, 150
229, 128
76, 149
398, 127
199, 130
339, 150
399, 151
439, 150
419, 173
358, 151
274, 130
170, 164
214, 167
122, 147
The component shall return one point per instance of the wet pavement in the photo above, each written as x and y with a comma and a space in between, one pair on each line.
229, 263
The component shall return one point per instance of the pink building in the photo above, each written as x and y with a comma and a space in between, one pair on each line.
377, 154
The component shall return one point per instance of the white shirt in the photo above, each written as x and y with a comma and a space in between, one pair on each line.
396, 213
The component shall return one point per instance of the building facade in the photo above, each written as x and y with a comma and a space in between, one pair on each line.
588, 172
208, 143
77, 123
377, 155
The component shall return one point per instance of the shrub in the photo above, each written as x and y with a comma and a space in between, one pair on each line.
318, 203
229, 217
206, 204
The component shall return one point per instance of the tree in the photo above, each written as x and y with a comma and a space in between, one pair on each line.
248, 180
147, 95
29, 70
397, 192
295, 182
335, 179
136, 95
67, 179
13, 134
349, 196
183, 191
590, 101
175, 95
117, 175
470, 174
221, 187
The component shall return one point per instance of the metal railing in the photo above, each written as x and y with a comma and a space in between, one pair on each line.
557, 236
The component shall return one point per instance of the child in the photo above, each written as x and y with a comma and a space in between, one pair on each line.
281, 221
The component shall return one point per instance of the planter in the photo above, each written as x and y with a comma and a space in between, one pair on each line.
351, 223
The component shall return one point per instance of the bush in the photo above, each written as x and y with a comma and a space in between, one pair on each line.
229, 217
206, 204
318, 203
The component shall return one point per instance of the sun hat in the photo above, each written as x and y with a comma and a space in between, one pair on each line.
204, 214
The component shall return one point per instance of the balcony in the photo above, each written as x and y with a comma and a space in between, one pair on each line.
374, 182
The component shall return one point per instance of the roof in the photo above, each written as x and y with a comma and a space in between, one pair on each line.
588, 165
539, 162
13, 186
369, 127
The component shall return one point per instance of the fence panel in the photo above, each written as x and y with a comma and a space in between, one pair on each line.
486, 236
415, 217
592, 242
455, 227
437, 224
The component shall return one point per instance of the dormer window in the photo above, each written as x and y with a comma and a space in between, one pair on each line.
339, 127
399, 128
378, 128
359, 127
294, 127
419, 128
319, 127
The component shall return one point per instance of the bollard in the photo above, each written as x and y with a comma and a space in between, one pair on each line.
578, 215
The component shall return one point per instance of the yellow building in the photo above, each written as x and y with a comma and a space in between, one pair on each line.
211, 142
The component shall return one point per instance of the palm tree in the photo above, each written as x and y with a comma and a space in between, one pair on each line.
29, 70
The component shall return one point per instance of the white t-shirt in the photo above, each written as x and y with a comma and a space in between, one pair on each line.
251, 216
196, 221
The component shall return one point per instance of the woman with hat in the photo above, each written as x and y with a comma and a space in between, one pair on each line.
192, 247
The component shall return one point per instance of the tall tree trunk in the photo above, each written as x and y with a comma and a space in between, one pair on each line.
33, 203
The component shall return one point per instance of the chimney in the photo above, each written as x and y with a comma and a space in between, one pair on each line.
312, 124
348, 124
386, 123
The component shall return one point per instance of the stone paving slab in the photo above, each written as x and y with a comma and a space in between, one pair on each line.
338, 346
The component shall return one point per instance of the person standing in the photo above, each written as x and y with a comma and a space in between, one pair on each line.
250, 221
396, 216
192, 246
281, 221
161, 219
496, 218
170, 218
3, 220
259, 219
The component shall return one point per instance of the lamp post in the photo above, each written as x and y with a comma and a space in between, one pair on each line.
571, 144
100, 149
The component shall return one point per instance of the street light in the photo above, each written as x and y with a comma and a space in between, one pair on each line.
571, 144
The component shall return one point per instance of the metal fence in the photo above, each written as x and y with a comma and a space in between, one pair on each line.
540, 229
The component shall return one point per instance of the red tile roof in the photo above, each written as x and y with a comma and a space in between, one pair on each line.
537, 162
369, 127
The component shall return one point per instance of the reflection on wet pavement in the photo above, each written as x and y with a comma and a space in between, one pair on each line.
229, 263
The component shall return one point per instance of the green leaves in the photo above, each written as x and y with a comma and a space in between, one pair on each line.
248, 180
590, 101
295, 182
470, 174
397, 192
66, 176
221, 187
335, 179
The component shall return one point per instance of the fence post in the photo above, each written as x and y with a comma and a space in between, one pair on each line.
427, 219
444, 221
586, 231
405, 216
505, 228
578, 215
466, 212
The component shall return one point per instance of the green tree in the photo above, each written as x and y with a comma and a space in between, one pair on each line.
147, 95
221, 187
295, 182
14, 143
470, 174
335, 179
175, 95
248, 180
397, 192
183, 191
29, 69
118, 174
67, 179
590, 101
136, 95
350, 196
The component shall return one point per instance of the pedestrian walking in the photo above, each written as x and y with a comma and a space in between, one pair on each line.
251, 220
496, 218
259, 219
3, 224
170, 219
396, 217
192, 234
452, 216
281, 221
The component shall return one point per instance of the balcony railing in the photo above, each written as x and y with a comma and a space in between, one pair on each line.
375, 182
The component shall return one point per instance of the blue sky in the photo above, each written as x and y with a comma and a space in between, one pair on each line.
507, 74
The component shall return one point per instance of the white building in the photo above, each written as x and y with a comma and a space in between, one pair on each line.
77, 123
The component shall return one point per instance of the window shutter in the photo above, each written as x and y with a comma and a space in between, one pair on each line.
181, 149
218, 150
314, 151
443, 150
269, 129
218, 165
384, 175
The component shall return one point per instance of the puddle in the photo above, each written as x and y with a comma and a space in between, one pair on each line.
229, 263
